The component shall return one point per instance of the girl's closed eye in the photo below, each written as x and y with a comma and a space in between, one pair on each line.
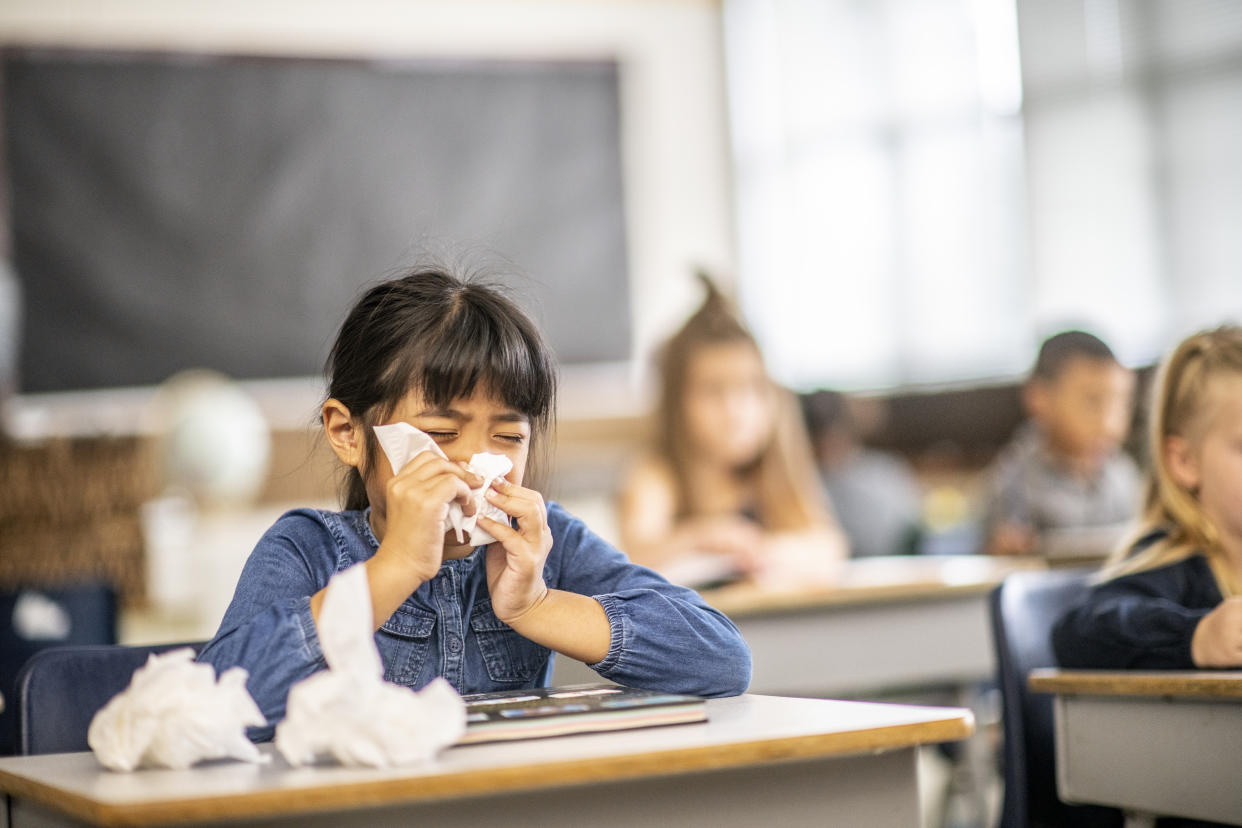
440, 436
516, 439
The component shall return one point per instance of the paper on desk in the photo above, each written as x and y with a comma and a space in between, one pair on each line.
348, 711
402, 442
174, 713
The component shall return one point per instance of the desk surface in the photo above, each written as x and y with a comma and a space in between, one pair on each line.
744, 731
875, 581
887, 623
1183, 684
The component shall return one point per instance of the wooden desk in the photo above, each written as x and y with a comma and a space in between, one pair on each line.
888, 624
758, 760
1160, 743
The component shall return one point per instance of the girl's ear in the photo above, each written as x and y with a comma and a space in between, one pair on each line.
342, 432
1183, 465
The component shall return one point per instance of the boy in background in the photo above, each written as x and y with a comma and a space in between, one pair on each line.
1063, 487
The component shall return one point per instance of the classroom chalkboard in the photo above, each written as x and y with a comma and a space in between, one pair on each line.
178, 211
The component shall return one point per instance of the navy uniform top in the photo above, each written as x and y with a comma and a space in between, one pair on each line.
1143, 621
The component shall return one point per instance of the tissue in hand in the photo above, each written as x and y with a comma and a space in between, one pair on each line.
173, 714
348, 711
402, 442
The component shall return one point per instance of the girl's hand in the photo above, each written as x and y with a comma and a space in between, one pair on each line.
418, 499
732, 537
1012, 538
515, 561
1217, 641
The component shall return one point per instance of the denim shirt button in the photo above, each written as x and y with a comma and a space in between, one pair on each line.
454, 644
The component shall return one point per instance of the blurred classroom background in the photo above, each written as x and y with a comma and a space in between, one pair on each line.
905, 196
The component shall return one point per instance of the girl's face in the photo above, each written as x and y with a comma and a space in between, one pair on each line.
468, 426
1210, 461
729, 403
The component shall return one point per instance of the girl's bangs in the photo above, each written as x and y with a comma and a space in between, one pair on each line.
476, 350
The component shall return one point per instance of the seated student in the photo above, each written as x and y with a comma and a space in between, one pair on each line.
1063, 485
1173, 598
875, 493
460, 362
729, 488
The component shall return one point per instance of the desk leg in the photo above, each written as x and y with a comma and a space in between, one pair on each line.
979, 753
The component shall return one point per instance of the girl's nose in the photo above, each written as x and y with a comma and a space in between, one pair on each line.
464, 448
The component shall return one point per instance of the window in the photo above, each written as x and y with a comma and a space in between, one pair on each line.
926, 188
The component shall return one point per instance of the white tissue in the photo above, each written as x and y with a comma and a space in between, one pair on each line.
402, 442
348, 711
174, 713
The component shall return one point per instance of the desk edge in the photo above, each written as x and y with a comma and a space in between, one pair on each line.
1182, 683
957, 724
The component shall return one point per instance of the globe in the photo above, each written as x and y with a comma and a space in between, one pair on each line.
215, 441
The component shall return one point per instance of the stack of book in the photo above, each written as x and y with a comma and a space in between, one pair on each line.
579, 708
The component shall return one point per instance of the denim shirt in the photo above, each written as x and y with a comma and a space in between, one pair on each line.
663, 637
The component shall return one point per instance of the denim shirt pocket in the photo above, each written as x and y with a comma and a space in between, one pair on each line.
509, 657
403, 642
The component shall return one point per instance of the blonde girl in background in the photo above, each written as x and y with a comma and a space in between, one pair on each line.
1173, 598
728, 488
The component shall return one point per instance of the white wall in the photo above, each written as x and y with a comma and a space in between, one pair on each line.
674, 144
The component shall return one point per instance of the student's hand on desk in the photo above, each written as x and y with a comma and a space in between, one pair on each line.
800, 559
1012, 539
1217, 640
417, 505
515, 561
729, 536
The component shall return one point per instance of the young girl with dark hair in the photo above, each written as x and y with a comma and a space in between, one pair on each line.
460, 362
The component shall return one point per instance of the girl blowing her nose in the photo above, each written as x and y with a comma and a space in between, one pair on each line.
1173, 599
455, 359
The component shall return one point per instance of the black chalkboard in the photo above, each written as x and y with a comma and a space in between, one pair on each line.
173, 211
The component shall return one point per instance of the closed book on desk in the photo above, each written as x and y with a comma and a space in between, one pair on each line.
578, 708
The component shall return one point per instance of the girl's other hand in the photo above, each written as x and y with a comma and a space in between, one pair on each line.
1217, 640
417, 505
515, 561
728, 535
1012, 539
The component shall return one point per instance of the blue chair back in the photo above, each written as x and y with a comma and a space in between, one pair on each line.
1023, 609
60, 689
35, 618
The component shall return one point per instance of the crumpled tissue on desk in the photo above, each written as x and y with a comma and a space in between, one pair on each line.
402, 442
173, 714
348, 711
